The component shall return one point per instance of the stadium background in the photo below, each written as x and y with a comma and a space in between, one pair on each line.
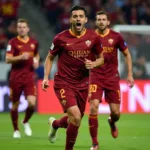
48, 17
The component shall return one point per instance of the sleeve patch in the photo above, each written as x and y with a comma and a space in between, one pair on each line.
52, 46
8, 48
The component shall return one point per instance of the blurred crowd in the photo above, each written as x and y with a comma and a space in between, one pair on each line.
132, 12
120, 11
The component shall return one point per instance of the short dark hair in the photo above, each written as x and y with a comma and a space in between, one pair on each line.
22, 20
77, 7
102, 13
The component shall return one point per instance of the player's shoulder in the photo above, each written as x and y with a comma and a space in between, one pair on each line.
115, 33
13, 40
91, 31
61, 34
33, 40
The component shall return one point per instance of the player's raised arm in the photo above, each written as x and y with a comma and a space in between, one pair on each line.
47, 69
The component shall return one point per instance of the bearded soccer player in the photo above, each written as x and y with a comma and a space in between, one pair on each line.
75, 49
22, 53
106, 78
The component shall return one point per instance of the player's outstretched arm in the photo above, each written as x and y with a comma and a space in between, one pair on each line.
47, 69
128, 60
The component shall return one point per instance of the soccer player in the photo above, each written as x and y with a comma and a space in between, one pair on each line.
76, 49
106, 78
22, 53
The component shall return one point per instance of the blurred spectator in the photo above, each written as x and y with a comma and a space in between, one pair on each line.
11, 30
40, 70
9, 10
3, 43
63, 21
53, 10
139, 68
131, 11
145, 18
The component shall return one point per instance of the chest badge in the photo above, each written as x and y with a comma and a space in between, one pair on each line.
32, 46
88, 43
110, 41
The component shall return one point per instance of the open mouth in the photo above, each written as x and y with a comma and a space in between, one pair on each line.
78, 24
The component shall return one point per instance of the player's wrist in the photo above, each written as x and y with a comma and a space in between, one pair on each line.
130, 74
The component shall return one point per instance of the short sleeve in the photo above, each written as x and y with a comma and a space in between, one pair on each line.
98, 46
36, 48
122, 45
55, 46
10, 48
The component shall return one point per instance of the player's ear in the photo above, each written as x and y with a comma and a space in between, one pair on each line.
70, 20
86, 20
108, 23
28, 29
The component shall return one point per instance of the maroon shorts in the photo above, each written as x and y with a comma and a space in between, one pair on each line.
69, 97
111, 90
16, 88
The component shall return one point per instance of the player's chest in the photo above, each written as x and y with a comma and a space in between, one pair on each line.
81, 44
25, 47
109, 44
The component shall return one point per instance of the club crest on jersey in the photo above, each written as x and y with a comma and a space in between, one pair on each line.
32, 46
88, 43
110, 41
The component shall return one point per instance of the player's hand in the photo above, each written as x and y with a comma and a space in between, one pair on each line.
25, 56
35, 63
130, 81
45, 85
89, 64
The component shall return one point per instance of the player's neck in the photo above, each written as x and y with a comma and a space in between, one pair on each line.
78, 33
103, 32
23, 37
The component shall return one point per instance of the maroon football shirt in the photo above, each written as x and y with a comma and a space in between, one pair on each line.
72, 51
23, 69
111, 43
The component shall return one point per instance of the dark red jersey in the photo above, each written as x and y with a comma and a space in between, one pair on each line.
72, 51
111, 43
22, 69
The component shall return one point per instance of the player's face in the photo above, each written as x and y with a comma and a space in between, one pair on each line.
22, 29
102, 22
78, 19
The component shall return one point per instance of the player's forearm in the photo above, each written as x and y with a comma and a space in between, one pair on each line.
129, 64
98, 62
47, 67
13, 59
37, 57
